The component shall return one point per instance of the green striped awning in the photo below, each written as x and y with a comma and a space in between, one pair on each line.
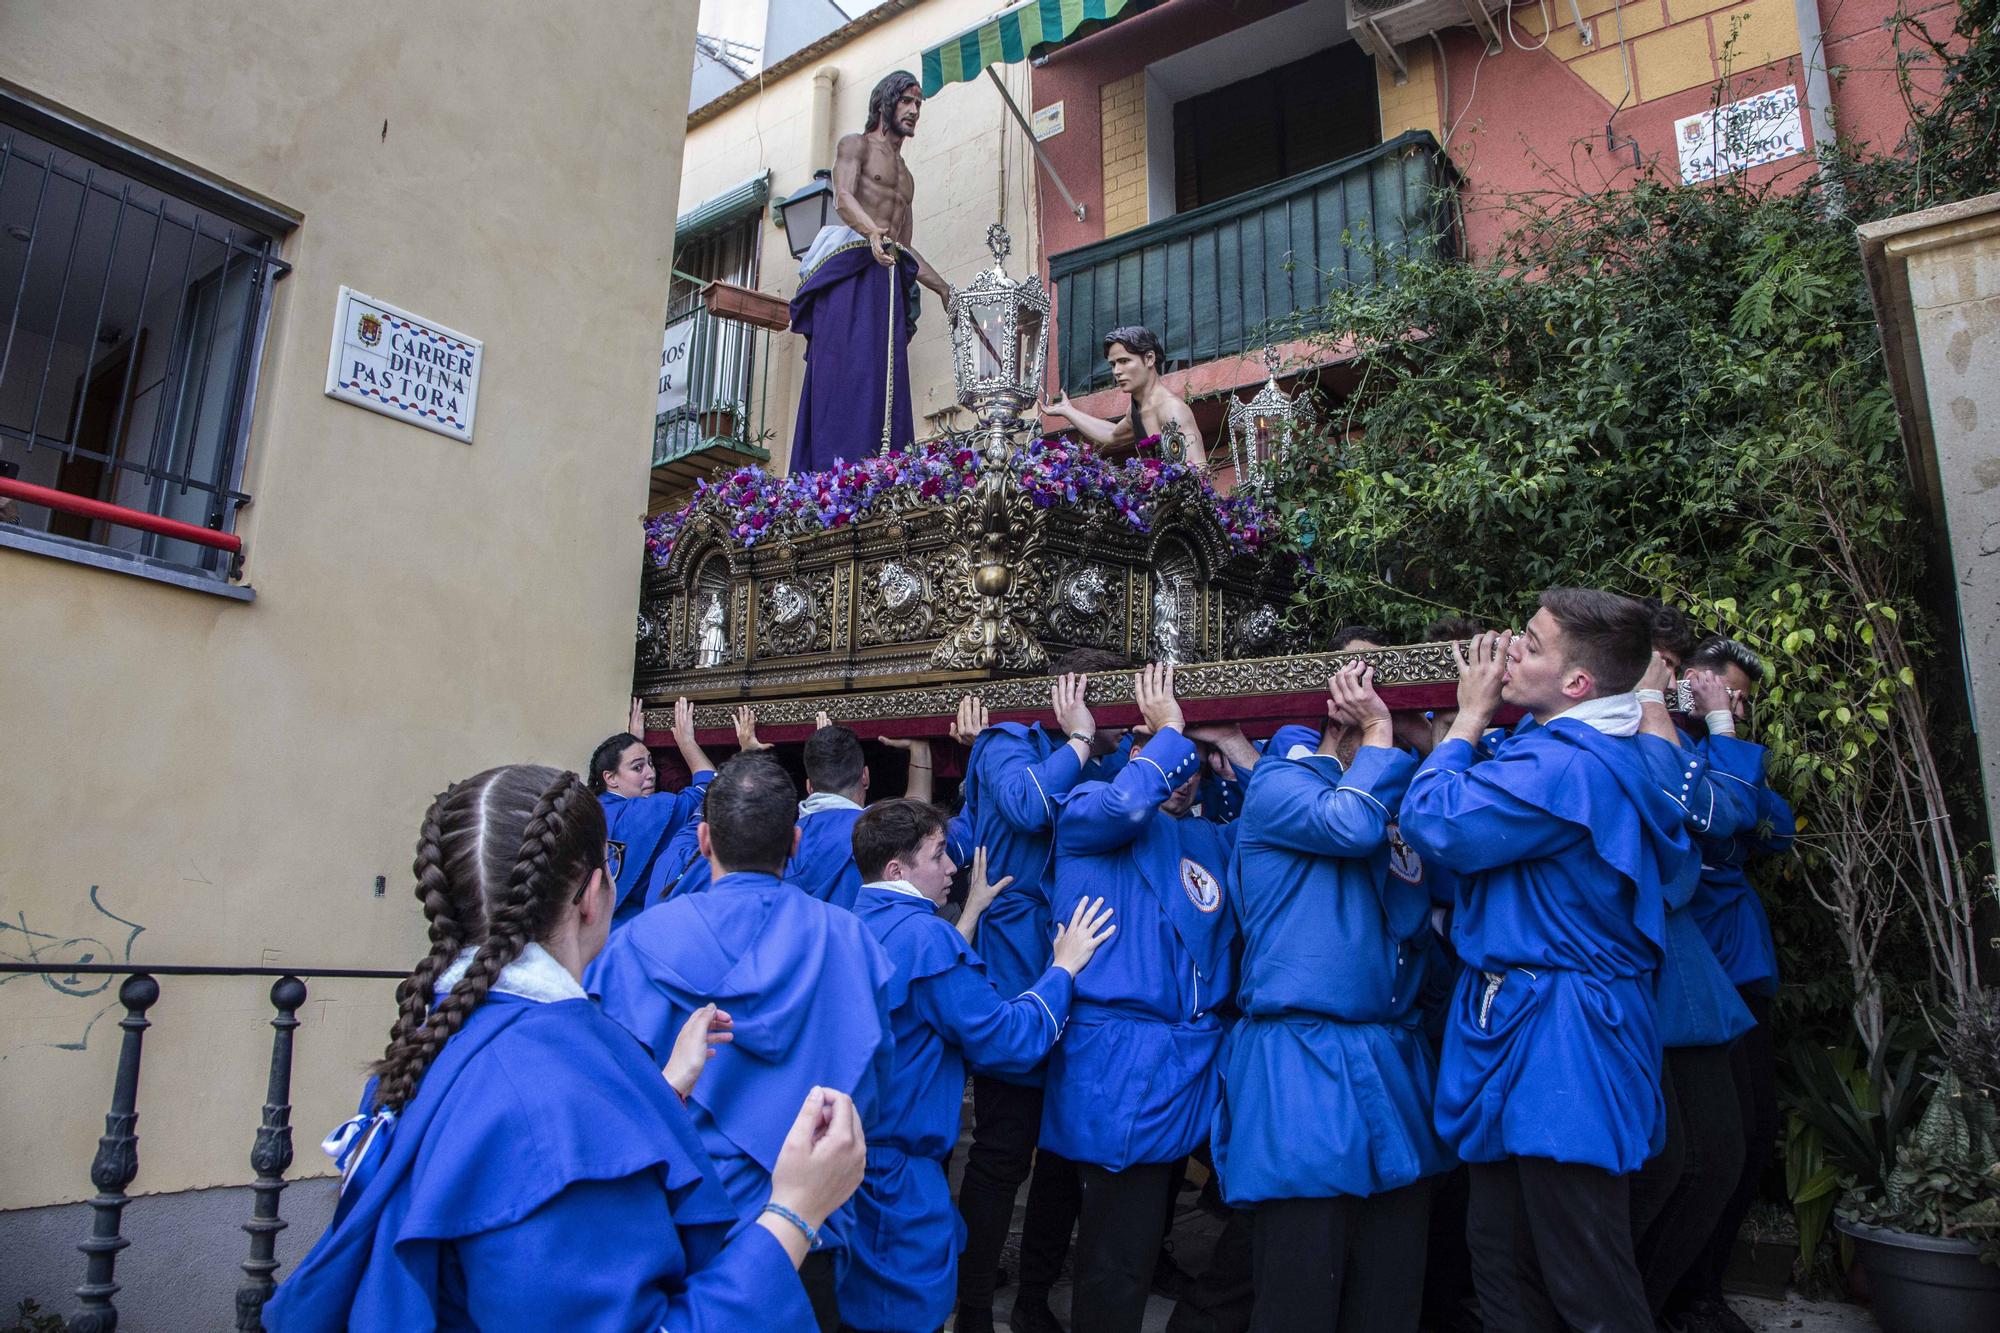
1020, 32
730, 206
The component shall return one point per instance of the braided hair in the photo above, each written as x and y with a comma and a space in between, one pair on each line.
499, 857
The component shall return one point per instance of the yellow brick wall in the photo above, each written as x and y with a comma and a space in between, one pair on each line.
1673, 45
1122, 106
1412, 104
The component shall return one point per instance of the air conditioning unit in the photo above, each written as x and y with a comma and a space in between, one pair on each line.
1380, 26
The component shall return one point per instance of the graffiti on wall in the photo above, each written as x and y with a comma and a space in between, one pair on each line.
21, 942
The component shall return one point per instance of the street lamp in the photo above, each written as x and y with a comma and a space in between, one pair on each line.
804, 213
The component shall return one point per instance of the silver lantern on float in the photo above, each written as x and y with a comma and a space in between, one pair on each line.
1000, 342
1260, 429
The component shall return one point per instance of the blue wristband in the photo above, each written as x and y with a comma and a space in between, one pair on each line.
812, 1236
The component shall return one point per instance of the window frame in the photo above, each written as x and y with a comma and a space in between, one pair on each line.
210, 199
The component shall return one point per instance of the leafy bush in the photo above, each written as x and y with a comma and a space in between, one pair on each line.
1680, 391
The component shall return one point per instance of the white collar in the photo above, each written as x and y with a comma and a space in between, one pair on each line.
900, 886
535, 975
825, 800
1613, 714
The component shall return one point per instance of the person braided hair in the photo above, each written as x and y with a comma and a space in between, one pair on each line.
415, 992
498, 858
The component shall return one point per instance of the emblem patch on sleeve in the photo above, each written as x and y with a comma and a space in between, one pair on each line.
1204, 890
614, 859
1404, 863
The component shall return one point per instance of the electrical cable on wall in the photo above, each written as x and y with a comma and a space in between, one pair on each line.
1548, 29
1470, 93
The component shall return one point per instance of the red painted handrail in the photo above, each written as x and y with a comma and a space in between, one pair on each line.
29, 493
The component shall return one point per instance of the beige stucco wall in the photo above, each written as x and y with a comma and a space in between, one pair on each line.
966, 153
234, 777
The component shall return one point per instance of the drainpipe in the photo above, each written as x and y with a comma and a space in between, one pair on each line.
819, 146
1819, 92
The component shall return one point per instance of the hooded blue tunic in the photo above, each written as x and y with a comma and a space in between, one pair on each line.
1696, 1002
1565, 843
1013, 781
806, 988
638, 829
541, 1130
824, 864
681, 868
1134, 1079
903, 1247
1327, 1081
1726, 906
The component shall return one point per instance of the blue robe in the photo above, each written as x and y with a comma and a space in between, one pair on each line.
1327, 1080
1696, 1002
1134, 1079
681, 868
1726, 906
806, 987
824, 864
903, 1269
1565, 844
638, 830
1014, 779
856, 317
544, 1176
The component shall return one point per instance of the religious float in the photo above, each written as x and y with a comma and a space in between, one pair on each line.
884, 590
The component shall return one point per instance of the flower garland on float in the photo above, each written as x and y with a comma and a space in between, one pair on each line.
1061, 470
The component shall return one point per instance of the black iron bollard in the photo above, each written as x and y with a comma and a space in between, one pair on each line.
269, 1159
117, 1161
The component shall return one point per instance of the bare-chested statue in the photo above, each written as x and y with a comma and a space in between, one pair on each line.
857, 300
1136, 358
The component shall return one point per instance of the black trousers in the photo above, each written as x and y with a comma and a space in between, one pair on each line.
1672, 1231
1223, 1299
817, 1276
1342, 1263
1448, 1295
1006, 1122
1551, 1248
1753, 1065
1117, 1243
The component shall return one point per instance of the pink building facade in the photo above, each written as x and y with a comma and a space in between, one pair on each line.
1229, 157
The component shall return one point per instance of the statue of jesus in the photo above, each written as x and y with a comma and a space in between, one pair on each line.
1136, 360
857, 300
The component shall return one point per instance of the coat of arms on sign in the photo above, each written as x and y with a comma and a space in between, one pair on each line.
388, 360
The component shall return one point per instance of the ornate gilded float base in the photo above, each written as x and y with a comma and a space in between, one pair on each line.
1414, 675
984, 584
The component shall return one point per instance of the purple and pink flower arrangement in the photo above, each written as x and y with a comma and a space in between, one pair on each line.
1050, 471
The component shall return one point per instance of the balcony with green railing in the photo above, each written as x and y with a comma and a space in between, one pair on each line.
715, 379
1224, 278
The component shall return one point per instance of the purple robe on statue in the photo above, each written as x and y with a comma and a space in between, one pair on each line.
857, 317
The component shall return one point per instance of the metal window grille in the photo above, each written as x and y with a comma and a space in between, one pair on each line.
717, 399
134, 321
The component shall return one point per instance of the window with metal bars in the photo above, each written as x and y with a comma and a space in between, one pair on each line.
133, 308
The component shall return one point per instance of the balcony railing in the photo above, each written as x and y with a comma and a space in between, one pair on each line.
1218, 280
116, 1164
714, 381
